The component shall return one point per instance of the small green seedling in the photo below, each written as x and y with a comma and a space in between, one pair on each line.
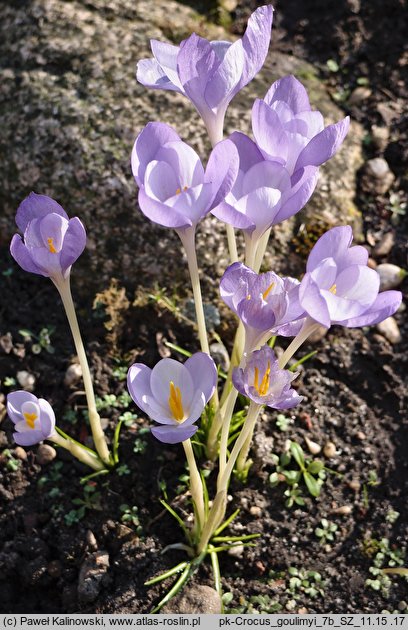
327, 531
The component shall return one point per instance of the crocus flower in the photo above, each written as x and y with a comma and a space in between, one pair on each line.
266, 304
264, 193
339, 288
33, 418
263, 382
209, 73
175, 191
173, 394
52, 242
287, 131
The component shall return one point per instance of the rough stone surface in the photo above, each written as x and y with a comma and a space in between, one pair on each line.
92, 576
194, 600
45, 454
71, 109
389, 328
378, 177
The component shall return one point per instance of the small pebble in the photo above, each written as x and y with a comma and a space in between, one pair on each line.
391, 276
354, 485
45, 454
314, 447
360, 435
318, 334
72, 375
91, 540
255, 510
380, 136
371, 263
236, 551
359, 95
26, 380
389, 329
385, 245
343, 510
303, 611
20, 453
378, 175
329, 450
402, 605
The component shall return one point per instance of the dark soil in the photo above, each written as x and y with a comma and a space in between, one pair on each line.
354, 388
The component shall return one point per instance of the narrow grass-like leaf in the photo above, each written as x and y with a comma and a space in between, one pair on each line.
302, 360
217, 574
182, 351
226, 523
174, 590
175, 515
167, 574
115, 444
218, 539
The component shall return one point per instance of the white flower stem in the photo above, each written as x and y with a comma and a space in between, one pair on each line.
82, 454
247, 429
261, 249
225, 428
187, 237
251, 244
196, 485
94, 418
307, 329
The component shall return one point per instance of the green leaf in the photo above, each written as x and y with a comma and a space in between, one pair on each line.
274, 479
292, 476
312, 484
315, 467
298, 454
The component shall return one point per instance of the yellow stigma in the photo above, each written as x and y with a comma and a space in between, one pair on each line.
262, 388
333, 289
176, 403
268, 290
248, 297
51, 247
30, 418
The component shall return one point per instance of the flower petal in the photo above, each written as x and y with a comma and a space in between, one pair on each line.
312, 301
269, 134
23, 257
222, 169
35, 207
297, 197
227, 213
150, 74
290, 91
74, 243
167, 371
47, 418
28, 438
14, 402
226, 77
323, 146
203, 372
174, 435
147, 144
385, 305
166, 56
333, 244
255, 43
160, 213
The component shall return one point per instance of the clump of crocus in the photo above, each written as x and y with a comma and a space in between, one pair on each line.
174, 394
33, 418
288, 131
264, 382
52, 242
339, 288
209, 73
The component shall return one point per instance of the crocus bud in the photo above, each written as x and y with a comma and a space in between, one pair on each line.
33, 418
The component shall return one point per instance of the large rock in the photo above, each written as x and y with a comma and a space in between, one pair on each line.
71, 108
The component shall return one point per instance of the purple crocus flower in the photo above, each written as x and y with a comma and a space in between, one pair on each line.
175, 191
266, 304
52, 242
173, 394
263, 382
209, 73
287, 131
33, 418
264, 193
339, 288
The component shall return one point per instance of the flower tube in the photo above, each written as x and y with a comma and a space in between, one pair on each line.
210, 74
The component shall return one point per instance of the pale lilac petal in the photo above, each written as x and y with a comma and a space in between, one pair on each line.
333, 244
147, 144
385, 305
226, 77
222, 169
166, 56
261, 206
14, 402
292, 400
175, 434
248, 152
35, 207
340, 308
356, 255
29, 437
291, 91
269, 134
313, 120
203, 372
47, 417
266, 174
53, 227
167, 371
193, 203
138, 383
296, 198
160, 181
235, 279
23, 257
228, 214
358, 282
255, 42
74, 243
313, 302
324, 275
49, 262
323, 146
160, 213
196, 64
150, 74
184, 161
